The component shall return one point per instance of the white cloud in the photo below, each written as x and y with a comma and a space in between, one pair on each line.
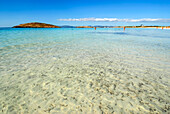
116, 20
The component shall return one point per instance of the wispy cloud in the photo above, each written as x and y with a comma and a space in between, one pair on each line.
116, 20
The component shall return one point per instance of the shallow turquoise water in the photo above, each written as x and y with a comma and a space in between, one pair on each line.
46, 69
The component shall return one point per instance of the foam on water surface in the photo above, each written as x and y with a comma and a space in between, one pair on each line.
83, 70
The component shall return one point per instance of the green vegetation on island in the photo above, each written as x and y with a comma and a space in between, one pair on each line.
36, 25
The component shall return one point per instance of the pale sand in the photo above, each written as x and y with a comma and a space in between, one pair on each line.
85, 82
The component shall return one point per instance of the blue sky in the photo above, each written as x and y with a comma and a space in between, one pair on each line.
13, 12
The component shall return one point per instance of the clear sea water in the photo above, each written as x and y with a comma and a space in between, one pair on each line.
69, 70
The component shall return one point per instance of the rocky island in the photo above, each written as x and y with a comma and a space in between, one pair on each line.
36, 25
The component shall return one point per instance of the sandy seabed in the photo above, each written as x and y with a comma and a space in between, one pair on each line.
83, 81
105, 71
